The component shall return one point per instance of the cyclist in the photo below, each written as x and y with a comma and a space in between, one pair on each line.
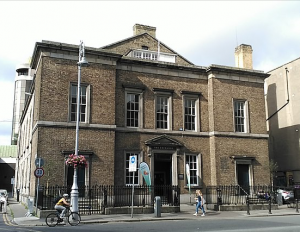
61, 205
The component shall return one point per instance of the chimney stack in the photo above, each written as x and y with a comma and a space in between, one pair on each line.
140, 29
243, 56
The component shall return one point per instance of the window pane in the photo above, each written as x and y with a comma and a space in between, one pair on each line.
190, 114
239, 114
132, 114
82, 108
162, 112
191, 160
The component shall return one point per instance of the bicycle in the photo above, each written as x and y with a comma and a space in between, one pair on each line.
54, 218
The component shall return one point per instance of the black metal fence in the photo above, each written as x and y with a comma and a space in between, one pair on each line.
238, 195
94, 199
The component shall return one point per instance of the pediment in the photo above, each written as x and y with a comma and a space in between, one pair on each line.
126, 46
163, 141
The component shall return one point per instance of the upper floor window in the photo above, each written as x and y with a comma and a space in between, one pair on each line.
129, 175
191, 110
133, 108
240, 116
190, 114
162, 112
163, 109
83, 107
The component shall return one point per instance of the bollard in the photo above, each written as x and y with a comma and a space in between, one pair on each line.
297, 210
18, 194
219, 198
157, 206
1, 206
248, 205
270, 205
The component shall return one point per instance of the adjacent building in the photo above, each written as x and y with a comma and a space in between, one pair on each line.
8, 154
140, 97
23, 79
283, 117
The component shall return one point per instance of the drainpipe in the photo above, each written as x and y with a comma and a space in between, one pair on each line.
288, 95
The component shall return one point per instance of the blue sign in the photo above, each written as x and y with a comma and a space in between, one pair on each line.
132, 159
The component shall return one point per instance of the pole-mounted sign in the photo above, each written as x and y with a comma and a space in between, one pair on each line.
132, 168
132, 163
39, 172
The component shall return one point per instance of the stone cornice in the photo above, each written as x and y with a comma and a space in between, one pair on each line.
238, 135
72, 125
148, 131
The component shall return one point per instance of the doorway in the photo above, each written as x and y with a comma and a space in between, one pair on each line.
80, 179
243, 177
162, 175
162, 169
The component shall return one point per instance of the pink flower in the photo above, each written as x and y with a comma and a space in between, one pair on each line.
76, 161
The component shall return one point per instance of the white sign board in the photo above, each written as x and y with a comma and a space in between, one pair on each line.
132, 163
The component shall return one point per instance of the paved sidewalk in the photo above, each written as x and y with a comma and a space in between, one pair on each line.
16, 215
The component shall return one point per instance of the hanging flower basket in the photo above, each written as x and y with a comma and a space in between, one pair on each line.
76, 161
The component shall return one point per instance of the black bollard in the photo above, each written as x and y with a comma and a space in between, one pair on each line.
270, 205
18, 195
248, 206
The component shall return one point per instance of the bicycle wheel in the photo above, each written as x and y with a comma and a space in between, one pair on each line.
74, 219
52, 220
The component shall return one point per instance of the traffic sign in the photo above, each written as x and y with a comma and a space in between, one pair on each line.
39, 162
132, 163
39, 172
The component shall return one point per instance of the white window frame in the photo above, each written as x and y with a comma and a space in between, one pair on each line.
87, 104
244, 118
188, 97
153, 55
128, 174
194, 168
168, 96
140, 108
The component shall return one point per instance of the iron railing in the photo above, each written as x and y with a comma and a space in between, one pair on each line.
237, 195
94, 199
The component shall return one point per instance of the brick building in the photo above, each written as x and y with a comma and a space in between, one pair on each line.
140, 97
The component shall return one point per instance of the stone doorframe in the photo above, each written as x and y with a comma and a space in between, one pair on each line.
88, 155
164, 144
243, 159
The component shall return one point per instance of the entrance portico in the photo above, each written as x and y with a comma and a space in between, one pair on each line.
163, 152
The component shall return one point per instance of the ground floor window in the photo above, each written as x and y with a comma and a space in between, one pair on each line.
194, 163
129, 175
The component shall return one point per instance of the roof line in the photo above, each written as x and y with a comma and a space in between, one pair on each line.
135, 36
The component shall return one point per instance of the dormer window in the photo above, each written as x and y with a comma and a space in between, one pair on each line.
22, 72
145, 48
152, 55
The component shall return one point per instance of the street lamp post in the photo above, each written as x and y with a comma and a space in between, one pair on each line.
81, 63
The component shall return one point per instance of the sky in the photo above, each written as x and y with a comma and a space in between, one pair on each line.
204, 32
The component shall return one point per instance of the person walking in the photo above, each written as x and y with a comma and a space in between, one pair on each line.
199, 202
